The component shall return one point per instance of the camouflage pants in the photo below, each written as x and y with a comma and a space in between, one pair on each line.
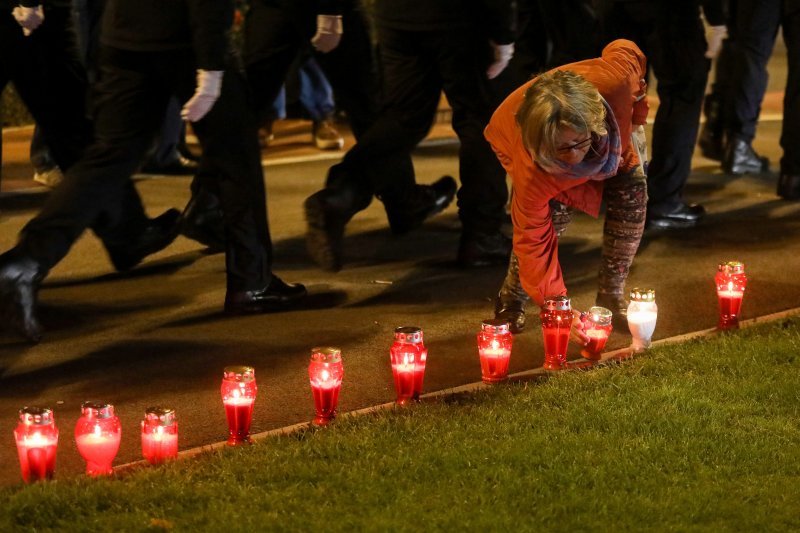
625, 196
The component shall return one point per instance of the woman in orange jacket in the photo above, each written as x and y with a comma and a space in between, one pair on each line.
565, 138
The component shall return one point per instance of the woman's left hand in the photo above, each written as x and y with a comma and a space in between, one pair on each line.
576, 333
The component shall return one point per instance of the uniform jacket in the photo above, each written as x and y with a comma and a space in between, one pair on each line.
618, 75
160, 25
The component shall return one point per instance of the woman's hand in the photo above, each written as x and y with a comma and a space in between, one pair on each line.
576, 333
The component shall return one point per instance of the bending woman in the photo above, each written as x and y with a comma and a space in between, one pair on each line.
565, 140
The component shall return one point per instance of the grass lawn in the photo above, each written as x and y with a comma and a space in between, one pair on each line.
698, 436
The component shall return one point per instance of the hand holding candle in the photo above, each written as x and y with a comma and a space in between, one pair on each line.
597, 328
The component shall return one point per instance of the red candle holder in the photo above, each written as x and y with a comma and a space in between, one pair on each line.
597, 326
97, 434
325, 372
159, 435
731, 282
408, 355
239, 395
642, 317
556, 315
494, 350
37, 439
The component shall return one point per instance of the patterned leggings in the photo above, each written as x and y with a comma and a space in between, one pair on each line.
625, 196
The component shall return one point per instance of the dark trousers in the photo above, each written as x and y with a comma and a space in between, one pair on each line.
277, 30
416, 67
131, 97
671, 35
46, 72
790, 132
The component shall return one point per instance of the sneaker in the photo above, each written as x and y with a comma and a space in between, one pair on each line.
49, 178
326, 136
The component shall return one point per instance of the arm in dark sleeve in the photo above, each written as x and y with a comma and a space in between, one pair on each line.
714, 12
329, 7
501, 20
210, 21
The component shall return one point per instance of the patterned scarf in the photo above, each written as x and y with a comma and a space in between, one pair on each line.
602, 159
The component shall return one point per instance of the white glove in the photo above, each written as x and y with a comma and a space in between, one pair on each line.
639, 142
29, 18
329, 33
714, 37
502, 55
209, 85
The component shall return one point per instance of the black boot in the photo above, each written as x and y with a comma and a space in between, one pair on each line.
19, 284
512, 299
789, 186
740, 158
711, 133
159, 233
617, 304
422, 202
203, 221
479, 248
327, 213
276, 296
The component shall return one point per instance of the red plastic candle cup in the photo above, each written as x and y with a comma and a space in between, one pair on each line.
642, 317
97, 434
239, 395
159, 435
494, 350
37, 439
408, 355
325, 372
731, 282
556, 315
598, 327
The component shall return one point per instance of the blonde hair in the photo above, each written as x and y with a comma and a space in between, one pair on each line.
558, 99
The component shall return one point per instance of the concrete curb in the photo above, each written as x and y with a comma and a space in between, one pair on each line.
615, 356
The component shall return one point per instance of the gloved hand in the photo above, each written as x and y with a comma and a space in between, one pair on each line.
639, 142
714, 37
502, 55
29, 18
329, 33
209, 86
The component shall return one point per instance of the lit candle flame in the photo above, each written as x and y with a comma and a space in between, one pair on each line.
98, 431
324, 375
730, 285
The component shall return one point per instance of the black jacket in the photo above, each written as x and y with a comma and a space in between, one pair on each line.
158, 25
495, 18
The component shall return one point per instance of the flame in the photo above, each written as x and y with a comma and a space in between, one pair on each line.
730, 285
98, 431
494, 344
324, 375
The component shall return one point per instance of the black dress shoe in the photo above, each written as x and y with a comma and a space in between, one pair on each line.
422, 202
682, 217
327, 213
277, 296
740, 158
159, 233
789, 186
204, 222
478, 249
177, 166
19, 285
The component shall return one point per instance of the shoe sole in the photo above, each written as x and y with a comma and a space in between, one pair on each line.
321, 246
329, 145
656, 224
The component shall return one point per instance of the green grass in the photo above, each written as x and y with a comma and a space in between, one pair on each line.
698, 436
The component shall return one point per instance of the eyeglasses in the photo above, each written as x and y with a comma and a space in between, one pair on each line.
580, 145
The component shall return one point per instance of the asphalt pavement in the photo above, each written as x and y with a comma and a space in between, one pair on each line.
157, 335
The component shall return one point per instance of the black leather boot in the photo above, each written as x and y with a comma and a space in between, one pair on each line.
204, 222
276, 296
157, 235
711, 133
789, 186
740, 158
327, 213
20, 277
422, 202
512, 299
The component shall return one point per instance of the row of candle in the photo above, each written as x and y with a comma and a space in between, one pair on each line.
98, 430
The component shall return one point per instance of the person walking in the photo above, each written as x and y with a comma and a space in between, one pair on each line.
150, 52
